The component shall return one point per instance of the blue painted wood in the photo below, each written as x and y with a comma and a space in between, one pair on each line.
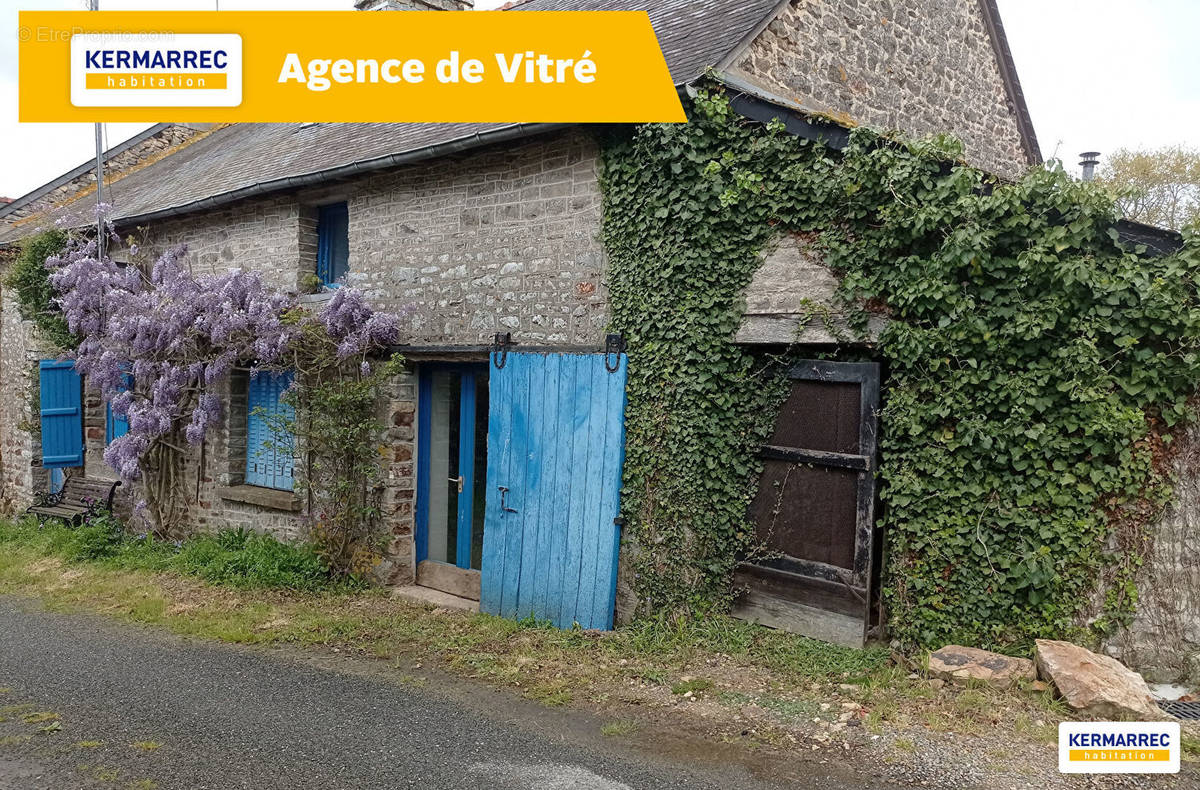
517, 492
270, 462
424, 428
61, 412
591, 493
556, 441
608, 550
495, 537
581, 432
531, 512
115, 427
333, 244
466, 467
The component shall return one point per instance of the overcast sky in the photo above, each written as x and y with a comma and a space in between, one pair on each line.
1098, 75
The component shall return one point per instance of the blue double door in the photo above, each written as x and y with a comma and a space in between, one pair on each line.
519, 477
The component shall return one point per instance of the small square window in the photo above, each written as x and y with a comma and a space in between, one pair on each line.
333, 244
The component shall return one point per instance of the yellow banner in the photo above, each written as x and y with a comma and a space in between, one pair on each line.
343, 66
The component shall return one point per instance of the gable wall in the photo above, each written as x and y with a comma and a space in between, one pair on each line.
920, 66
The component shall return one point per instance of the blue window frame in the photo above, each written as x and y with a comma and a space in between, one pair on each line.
270, 456
115, 427
333, 244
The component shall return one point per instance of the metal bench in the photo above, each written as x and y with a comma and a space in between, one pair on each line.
78, 497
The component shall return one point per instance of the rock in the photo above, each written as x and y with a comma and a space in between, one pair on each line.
960, 664
1093, 684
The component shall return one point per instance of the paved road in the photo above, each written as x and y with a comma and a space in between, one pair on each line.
238, 718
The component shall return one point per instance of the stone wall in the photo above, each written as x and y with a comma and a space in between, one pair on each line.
506, 240
920, 66
1163, 642
20, 448
503, 239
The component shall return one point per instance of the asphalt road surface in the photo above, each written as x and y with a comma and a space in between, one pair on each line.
216, 716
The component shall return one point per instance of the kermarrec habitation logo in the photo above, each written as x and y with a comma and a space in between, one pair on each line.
156, 70
1089, 747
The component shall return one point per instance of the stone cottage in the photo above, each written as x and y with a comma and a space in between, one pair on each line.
487, 236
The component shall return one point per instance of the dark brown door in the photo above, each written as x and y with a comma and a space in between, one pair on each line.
814, 508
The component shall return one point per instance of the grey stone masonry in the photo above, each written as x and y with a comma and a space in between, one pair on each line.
918, 66
20, 447
506, 240
1163, 642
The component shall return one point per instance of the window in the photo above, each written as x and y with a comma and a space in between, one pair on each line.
270, 457
115, 427
333, 244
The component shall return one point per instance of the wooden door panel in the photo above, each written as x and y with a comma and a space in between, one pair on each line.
555, 450
814, 508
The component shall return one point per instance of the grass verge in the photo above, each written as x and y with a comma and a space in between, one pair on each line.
728, 673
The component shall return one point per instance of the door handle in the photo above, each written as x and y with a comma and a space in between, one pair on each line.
458, 480
503, 496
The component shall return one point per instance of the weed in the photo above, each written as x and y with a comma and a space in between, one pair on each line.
693, 685
90, 744
39, 717
615, 729
551, 694
146, 746
904, 745
142, 784
1190, 745
13, 740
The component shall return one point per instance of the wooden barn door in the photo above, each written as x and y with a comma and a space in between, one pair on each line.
556, 442
814, 509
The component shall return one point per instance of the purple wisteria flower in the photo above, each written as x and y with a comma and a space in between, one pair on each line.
177, 336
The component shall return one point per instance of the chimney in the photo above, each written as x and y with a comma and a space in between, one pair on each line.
1088, 161
413, 5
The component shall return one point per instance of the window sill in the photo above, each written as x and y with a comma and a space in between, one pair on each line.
263, 497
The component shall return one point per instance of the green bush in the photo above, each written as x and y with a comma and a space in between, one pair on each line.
31, 282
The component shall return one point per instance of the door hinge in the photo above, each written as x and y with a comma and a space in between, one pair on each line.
500, 345
614, 345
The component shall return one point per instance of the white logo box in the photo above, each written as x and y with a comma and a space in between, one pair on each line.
1142, 740
229, 96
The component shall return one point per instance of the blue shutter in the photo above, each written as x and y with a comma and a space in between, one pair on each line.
556, 444
61, 414
268, 464
115, 427
333, 243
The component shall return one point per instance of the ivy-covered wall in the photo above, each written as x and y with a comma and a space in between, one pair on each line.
1036, 369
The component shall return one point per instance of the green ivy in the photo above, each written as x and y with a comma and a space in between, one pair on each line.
31, 281
1035, 367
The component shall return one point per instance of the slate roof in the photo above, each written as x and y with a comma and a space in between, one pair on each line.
245, 159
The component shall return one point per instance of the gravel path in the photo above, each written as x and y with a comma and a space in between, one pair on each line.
214, 716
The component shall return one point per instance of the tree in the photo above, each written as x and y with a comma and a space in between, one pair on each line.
1158, 187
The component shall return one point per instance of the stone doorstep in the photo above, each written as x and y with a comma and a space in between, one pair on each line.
427, 596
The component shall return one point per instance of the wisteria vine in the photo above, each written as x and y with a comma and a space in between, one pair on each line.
176, 336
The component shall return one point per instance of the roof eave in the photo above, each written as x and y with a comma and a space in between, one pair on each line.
1012, 83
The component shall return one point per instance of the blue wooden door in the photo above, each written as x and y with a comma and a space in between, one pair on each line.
61, 391
556, 442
